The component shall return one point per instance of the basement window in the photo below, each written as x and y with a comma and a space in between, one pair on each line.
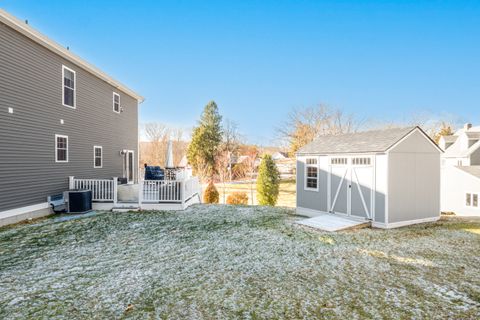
311, 174
68, 90
61, 148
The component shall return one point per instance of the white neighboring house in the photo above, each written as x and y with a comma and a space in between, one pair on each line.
461, 171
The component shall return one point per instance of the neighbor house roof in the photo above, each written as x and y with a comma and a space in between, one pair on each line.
359, 142
456, 151
51, 45
473, 170
450, 138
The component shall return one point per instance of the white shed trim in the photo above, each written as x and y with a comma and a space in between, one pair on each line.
402, 223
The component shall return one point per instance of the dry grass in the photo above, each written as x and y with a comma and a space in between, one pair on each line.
235, 262
286, 197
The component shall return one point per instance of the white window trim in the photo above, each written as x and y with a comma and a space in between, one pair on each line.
471, 206
74, 87
113, 103
56, 148
305, 174
101, 157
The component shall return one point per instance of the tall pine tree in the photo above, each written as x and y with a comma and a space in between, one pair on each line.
206, 140
268, 182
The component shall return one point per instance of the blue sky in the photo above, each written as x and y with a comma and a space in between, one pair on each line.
384, 60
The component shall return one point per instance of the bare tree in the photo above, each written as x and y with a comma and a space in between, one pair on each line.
304, 125
153, 151
231, 142
222, 162
250, 165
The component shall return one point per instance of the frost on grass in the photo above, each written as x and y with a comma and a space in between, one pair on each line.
235, 262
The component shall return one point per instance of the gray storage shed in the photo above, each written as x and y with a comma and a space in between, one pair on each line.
390, 177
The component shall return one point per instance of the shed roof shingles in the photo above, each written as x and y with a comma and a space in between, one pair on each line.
359, 142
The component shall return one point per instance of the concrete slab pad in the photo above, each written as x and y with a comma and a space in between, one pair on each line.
332, 222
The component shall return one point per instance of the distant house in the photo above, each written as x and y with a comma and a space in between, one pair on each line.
285, 164
461, 171
279, 155
389, 177
59, 116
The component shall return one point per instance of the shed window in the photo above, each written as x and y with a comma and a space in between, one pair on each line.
365, 161
97, 157
311, 174
61, 148
338, 161
69, 83
116, 102
475, 200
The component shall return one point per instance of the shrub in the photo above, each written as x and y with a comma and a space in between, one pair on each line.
211, 194
238, 198
268, 182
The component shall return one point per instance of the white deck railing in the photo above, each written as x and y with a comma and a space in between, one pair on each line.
192, 187
149, 191
161, 190
102, 189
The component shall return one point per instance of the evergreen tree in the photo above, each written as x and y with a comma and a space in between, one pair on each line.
268, 182
206, 140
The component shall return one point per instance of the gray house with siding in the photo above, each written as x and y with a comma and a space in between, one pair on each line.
389, 177
59, 116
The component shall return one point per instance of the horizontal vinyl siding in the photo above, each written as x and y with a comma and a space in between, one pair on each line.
31, 84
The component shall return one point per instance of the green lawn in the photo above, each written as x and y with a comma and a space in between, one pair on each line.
235, 262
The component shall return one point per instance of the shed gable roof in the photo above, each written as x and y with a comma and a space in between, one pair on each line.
359, 142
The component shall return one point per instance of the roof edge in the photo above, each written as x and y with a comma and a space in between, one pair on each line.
422, 132
466, 172
53, 46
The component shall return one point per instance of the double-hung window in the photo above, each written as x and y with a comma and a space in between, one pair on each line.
97, 156
116, 102
471, 200
311, 174
61, 148
68, 87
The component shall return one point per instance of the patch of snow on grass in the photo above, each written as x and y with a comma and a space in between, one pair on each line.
214, 261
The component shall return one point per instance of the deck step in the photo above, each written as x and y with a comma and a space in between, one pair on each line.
125, 209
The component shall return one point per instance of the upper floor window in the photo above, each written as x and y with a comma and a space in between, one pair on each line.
116, 102
61, 148
311, 174
97, 156
69, 83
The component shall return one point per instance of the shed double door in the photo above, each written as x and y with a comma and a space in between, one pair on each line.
351, 184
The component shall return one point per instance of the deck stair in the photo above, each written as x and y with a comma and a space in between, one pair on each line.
126, 206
